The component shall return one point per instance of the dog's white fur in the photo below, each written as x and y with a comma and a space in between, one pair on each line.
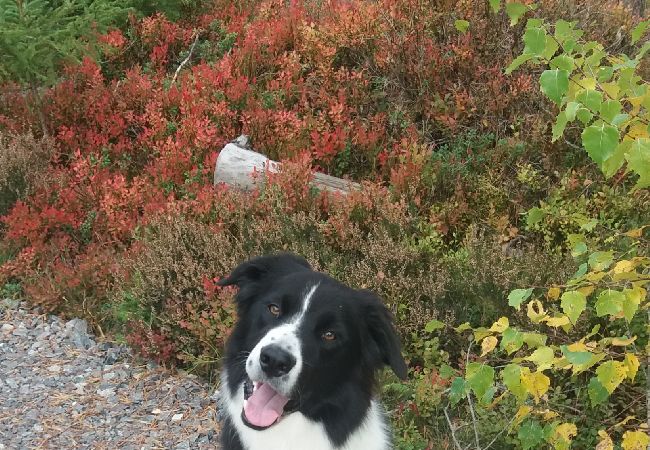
296, 432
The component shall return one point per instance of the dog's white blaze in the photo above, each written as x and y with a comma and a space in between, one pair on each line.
285, 336
296, 432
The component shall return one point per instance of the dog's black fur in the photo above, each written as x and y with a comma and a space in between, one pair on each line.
337, 382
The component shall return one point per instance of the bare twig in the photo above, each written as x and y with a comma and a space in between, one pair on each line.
187, 59
453, 431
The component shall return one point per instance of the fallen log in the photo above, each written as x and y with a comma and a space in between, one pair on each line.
240, 167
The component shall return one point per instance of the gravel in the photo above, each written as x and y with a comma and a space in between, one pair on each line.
60, 388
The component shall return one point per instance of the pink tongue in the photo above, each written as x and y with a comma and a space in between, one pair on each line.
264, 406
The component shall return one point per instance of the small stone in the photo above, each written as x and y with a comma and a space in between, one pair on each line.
7, 328
55, 368
177, 417
156, 411
108, 376
106, 392
76, 331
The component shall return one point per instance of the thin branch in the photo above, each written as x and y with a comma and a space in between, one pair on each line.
187, 59
453, 432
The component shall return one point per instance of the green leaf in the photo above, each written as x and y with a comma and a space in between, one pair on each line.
534, 340
555, 84
530, 434
563, 62
611, 374
597, 392
577, 243
573, 304
605, 73
515, 10
511, 375
582, 269
600, 141
576, 358
518, 61
542, 357
609, 302
615, 161
584, 115
638, 160
571, 110
534, 40
564, 31
479, 378
462, 25
433, 325
457, 390
559, 126
446, 371
518, 296
610, 109
591, 98
638, 31
495, 5
511, 340
633, 298
601, 260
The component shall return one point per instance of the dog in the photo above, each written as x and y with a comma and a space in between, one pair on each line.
300, 364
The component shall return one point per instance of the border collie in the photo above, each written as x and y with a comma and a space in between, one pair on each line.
300, 364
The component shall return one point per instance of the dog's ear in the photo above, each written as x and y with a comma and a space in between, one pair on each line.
385, 345
251, 275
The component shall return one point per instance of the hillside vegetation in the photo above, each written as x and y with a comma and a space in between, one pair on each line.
504, 154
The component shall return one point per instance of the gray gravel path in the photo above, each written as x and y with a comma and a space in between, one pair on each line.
60, 389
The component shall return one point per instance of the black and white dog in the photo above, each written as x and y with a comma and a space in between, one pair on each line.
300, 364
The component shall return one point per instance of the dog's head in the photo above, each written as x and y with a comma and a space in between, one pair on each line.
302, 335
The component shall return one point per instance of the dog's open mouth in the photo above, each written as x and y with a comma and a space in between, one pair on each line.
263, 406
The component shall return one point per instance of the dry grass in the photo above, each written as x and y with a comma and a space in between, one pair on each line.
23, 160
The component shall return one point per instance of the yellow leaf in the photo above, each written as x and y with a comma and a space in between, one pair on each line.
547, 414
620, 342
586, 290
536, 311
488, 344
562, 435
500, 325
632, 364
624, 266
536, 383
637, 130
522, 413
595, 277
624, 422
605, 442
611, 89
636, 233
553, 293
557, 321
635, 440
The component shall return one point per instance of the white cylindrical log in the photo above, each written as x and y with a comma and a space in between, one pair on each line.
245, 169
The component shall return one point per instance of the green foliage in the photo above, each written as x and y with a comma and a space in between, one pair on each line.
37, 37
604, 92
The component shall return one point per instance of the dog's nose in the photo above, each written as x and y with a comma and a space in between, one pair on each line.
275, 361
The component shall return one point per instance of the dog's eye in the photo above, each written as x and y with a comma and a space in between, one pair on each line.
328, 335
274, 309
